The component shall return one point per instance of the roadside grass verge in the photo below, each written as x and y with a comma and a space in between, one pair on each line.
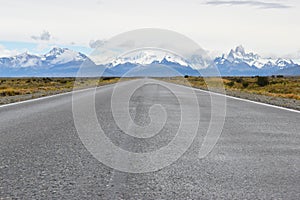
279, 91
18, 89
284, 87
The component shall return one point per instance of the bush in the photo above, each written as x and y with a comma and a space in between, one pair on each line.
245, 84
47, 80
239, 80
107, 78
262, 81
230, 84
63, 81
9, 93
186, 76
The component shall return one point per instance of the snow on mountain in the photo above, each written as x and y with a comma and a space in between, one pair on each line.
63, 55
240, 56
57, 62
25, 60
21, 60
150, 63
297, 61
148, 57
54, 57
66, 62
283, 63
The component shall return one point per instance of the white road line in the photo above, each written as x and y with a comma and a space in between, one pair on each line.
240, 99
50, 96
209, 92
55, 95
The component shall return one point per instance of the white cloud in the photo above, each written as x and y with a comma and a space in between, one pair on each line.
293, 56
213, 27
96, 43
44, 36
6, 52
258, 4
42, 46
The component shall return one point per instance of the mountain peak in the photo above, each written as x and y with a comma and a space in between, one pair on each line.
24, 54
240, 60
149, 57
240, 49
57, 51
240, 55
237, 62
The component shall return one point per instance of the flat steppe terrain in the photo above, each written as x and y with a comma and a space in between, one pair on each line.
280, 91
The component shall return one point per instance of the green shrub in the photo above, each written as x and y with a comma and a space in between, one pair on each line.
245, 84
9, 93
107, 78
47, 80
239, 80
262, 81
230, 84
63, 81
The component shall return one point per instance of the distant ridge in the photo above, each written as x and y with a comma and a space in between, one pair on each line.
65, 62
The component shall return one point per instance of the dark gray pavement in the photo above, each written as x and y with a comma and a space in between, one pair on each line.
42, 157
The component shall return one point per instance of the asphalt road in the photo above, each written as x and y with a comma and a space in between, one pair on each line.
256, 157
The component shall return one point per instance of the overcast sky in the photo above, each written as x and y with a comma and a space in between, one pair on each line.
268, 27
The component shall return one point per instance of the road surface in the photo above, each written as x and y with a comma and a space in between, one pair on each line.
256, 157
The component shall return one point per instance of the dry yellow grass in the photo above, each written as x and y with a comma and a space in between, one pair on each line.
22, 86
285, 87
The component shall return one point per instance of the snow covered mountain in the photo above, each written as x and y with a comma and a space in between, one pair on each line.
239, 62
62, 56
239, 56
66, 62
148, 57
21, 60
56, 56
156, 68
57, 62
151, 63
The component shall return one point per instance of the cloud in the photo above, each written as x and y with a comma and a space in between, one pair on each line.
6, 52
258, 4
44, 36
42, 46
96, 43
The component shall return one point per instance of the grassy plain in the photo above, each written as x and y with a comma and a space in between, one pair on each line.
285, 90
284, 87
18, 89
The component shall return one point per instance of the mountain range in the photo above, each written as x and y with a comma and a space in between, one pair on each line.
63, 62
240, 63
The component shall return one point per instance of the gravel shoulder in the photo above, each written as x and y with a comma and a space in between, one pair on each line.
278, 101
24, 97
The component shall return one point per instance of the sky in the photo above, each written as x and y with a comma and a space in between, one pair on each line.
270, 28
